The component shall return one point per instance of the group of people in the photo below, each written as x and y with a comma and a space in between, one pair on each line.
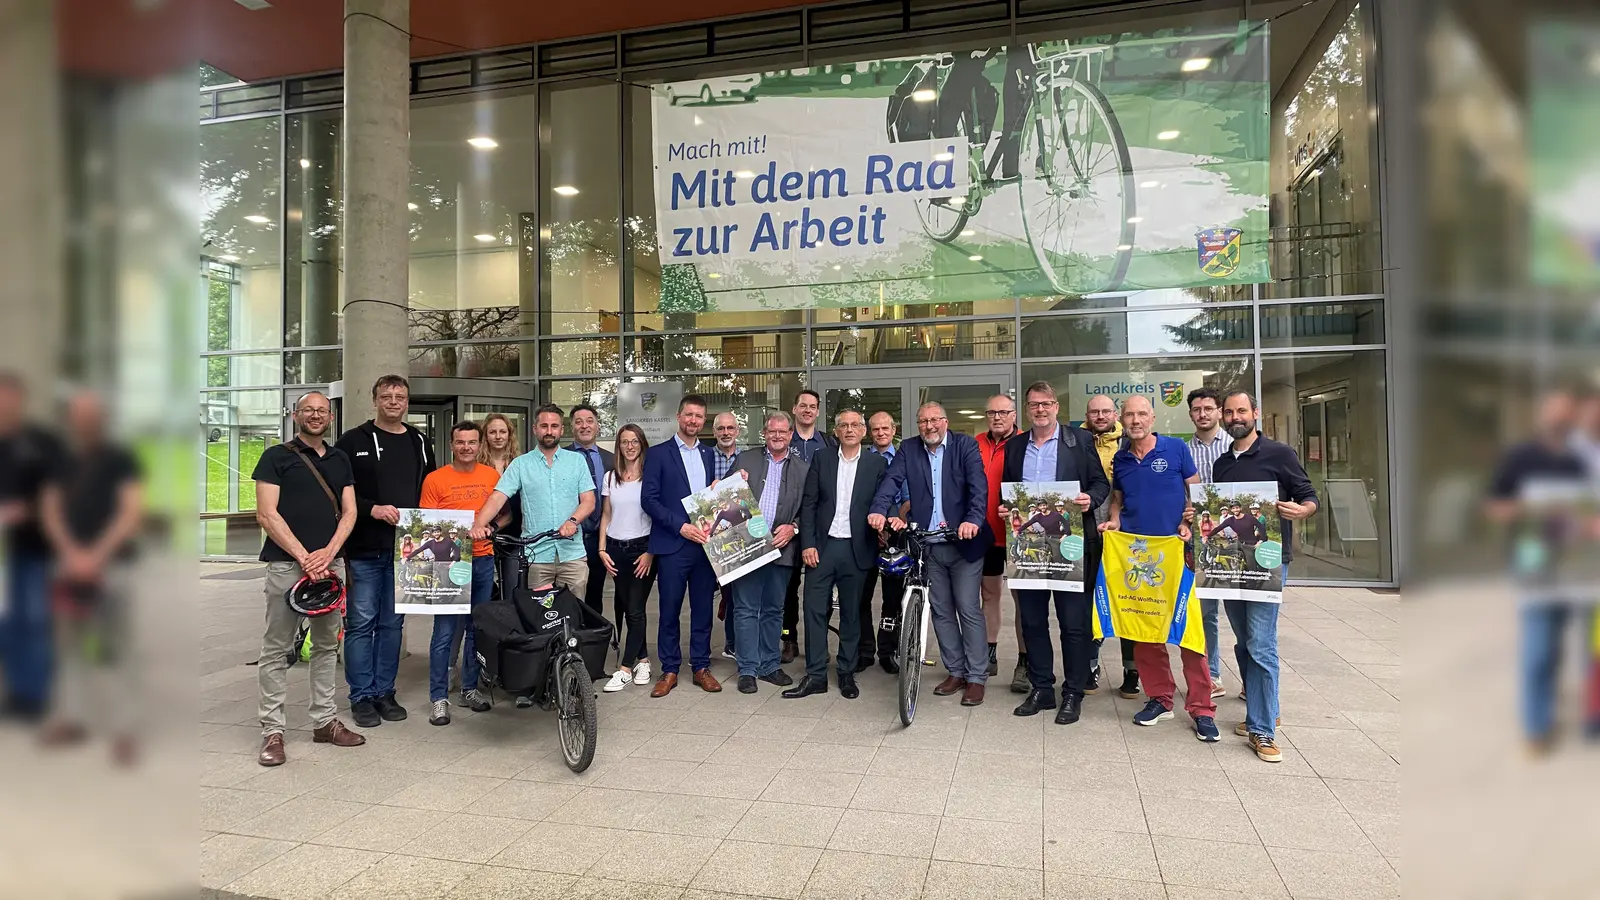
831, 501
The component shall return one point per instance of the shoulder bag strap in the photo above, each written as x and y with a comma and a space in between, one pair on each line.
311, 464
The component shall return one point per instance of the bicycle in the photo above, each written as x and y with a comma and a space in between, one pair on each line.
567, 687
1141, 567
1071, 137
913, 650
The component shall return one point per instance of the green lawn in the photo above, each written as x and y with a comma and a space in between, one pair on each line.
250, 450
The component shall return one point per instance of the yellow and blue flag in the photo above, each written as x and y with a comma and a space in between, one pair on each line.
1145, 593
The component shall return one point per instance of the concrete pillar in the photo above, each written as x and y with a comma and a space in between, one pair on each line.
377, 118
32, 192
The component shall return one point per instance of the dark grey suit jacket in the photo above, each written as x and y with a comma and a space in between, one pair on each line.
753, 463
821, 502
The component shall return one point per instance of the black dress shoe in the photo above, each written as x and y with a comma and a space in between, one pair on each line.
847, 687
889, 664
806, 688
389, 708
791, 649
1071, 708
778, 677
1039, 699
747, 684
365, 712
863, 664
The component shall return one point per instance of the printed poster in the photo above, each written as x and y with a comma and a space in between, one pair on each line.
1127, 161
1237, 540
433, 562
740, 537
1044, 535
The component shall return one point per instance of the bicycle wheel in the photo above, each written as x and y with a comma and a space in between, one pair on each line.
1078, 198
577, 725
910, 654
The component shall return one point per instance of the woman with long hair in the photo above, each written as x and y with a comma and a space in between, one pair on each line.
624, 543
499, 441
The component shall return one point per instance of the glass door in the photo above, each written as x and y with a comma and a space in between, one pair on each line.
517, 413
962, 390
434, 420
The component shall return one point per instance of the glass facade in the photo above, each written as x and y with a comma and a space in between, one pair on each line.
534, 259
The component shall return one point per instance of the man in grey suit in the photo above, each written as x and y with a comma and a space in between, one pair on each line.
777, 478
837, 548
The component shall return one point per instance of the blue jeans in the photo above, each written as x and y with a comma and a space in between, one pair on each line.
1208, 624
1255, 628
1544, 624
953, 598
689, 571
756, 615
444, 635
27, 643
371, 628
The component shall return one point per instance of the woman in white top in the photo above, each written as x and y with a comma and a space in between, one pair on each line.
624, 542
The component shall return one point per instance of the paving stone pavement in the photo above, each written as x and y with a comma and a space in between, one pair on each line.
704, 796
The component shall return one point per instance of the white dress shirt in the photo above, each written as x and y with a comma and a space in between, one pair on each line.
844, 490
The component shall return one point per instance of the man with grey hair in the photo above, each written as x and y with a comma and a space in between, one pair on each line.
725, 428
777, 478
942, 472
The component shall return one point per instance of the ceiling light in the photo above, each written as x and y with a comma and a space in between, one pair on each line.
305, 163
836, 268
1196, 64
229, 258
744, 173
259, 220
944, 156
925, 95
1134, 220
713, 274
485, 238
565, 190
1123, 248
968, 232
483, 143
974, 258
966, 412
411, 206
1166, 135
1149, 184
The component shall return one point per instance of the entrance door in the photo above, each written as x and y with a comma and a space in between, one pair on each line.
434, 419
962, 390
518, 413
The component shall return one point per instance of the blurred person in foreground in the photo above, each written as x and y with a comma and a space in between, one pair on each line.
307, 515
1532, 494
90, 510
27, 454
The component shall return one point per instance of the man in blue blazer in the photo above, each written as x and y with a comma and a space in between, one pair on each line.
672, 471
942, 471
1052, 450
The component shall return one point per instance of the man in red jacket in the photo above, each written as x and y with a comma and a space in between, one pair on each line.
1001, 411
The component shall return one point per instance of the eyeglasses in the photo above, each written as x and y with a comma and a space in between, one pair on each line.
315, 413
924, 423
998, 412
1041, 404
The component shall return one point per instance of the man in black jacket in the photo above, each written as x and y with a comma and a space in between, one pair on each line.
1051, 451
586, 433
837, 547
390, 459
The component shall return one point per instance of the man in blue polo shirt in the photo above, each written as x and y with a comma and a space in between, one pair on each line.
1150, 480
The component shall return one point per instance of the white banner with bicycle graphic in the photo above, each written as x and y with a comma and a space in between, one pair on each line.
433, 562
1116, 162
739, 538
1044, 535
1237, 541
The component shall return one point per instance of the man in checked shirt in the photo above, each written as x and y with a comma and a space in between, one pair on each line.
726, 430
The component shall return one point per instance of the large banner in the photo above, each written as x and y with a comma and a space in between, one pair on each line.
740, 537
1145, 593
1115, 162
433, 562
1044, 535
1237, 539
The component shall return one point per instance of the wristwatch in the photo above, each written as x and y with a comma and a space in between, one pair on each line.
573, 521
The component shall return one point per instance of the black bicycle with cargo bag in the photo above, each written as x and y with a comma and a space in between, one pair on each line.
546, 643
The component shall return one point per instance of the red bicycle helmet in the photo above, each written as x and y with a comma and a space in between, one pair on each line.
316, 597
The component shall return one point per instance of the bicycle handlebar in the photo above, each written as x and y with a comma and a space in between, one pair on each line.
514, 541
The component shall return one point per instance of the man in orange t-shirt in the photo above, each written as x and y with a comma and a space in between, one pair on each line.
464, 484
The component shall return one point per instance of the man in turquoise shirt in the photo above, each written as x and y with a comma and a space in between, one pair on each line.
556, 490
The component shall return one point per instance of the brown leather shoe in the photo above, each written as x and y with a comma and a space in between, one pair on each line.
973, 695
949, 686
664, 686
336, 734
271, 751
707, 683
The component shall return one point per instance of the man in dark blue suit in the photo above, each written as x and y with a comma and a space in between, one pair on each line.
672, 471
942, 472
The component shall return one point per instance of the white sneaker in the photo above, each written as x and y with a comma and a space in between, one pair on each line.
619, 680
641, 672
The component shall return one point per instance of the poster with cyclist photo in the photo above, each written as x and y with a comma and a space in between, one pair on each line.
1119, 161
433, 562
1044, 535
740, 537
1237, 541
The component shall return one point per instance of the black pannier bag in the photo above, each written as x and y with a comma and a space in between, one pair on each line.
514, 639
